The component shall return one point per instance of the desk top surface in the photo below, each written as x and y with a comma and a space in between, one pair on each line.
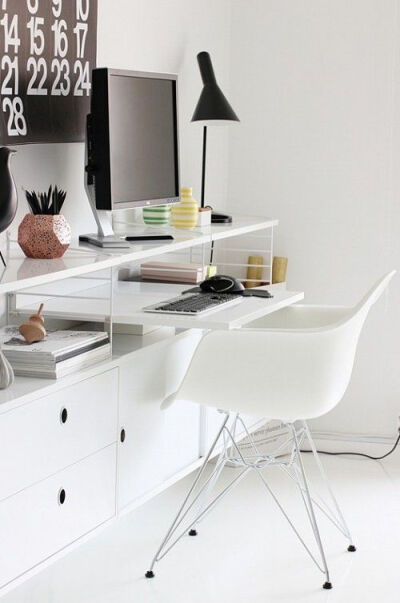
79, 259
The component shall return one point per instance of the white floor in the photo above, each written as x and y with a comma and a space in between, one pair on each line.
245, 552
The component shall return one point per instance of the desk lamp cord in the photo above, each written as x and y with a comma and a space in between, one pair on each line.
368, 456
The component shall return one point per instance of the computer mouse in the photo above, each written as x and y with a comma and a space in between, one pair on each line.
221, 284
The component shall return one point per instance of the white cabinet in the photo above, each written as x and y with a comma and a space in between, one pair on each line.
71, 458
157, 443
44, 518
52, 432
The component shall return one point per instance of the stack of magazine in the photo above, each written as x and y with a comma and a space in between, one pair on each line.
59, 354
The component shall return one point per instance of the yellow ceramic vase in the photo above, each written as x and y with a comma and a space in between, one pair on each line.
185, 213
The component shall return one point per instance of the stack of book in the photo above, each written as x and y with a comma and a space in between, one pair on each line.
173, 272
59, 354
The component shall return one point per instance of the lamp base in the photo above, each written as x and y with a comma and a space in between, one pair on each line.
217, 218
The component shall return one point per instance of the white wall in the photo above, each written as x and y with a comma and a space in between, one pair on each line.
315, 85
148, 35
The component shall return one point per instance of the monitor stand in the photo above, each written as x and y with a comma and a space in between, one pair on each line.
105, 236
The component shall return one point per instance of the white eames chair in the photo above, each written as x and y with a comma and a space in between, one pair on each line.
295, 369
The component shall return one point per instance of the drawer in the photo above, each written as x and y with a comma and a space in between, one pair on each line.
46, 517
40, 438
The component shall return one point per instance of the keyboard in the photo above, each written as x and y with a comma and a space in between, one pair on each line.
197, 304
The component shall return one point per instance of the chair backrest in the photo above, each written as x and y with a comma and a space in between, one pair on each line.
375, 292
280, 374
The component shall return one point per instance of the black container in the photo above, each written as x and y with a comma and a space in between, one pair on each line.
8, 192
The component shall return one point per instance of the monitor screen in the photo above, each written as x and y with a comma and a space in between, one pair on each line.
142, 133
135, 146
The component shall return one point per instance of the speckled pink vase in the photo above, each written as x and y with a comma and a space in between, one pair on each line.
43, 236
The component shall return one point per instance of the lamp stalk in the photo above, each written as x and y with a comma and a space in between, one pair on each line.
203, 169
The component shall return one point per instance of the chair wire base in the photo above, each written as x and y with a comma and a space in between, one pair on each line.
199, 501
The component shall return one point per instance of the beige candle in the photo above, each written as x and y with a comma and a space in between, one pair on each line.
279, 267
254, 271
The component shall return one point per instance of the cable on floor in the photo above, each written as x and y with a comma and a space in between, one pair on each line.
368, 456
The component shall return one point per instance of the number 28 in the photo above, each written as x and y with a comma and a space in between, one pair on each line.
16, 124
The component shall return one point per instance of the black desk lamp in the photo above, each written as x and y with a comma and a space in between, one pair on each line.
214, 109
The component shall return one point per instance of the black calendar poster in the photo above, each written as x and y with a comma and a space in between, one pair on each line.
48, 50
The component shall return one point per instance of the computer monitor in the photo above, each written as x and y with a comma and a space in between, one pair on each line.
131, 145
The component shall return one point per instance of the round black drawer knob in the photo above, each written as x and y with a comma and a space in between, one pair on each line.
61, 496
122, 435
64, 415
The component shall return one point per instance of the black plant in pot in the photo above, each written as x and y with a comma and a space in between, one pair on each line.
44, 233
49, 204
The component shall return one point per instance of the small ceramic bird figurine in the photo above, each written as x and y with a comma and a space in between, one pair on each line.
33, 330
8, 192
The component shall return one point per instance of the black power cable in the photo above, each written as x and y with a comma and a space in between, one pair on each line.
368, 456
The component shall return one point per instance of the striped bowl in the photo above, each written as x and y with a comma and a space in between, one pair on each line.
157, 215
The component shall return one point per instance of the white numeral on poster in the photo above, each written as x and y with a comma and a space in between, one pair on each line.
54, 60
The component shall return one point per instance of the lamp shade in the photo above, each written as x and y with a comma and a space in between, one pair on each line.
212, 104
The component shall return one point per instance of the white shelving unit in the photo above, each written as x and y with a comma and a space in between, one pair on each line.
81, 259
114, 434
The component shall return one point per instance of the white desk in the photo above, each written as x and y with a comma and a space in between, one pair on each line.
104, 474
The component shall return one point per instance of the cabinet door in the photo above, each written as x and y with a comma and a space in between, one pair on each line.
50, 433
42, 519
156, 443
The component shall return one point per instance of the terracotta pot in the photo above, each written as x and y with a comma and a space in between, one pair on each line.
43, 236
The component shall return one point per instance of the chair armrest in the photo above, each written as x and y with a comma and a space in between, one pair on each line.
300, 316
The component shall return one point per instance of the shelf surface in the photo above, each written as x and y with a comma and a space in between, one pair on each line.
130, 297
22, 272
24, 389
